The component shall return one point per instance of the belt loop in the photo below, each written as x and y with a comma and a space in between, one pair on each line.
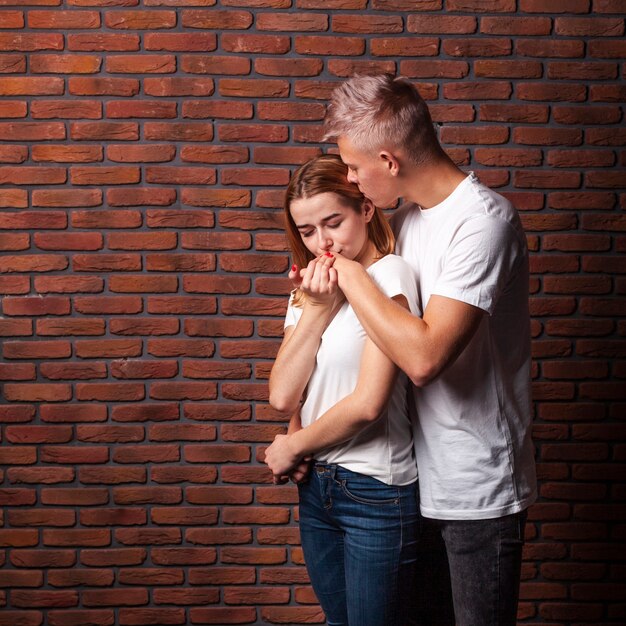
333, 471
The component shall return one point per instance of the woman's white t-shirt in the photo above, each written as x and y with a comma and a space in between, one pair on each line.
384, 450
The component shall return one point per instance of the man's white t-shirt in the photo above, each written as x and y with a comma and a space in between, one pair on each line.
383, 450
472, 430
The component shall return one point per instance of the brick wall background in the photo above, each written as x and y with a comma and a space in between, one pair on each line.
145, 146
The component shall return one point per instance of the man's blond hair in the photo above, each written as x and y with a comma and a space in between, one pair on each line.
382, 112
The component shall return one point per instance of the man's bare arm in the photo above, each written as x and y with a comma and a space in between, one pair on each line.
421, 347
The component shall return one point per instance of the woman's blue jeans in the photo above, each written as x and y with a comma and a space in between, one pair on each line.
359, 538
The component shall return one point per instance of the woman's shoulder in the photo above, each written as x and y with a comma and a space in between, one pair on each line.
390, 263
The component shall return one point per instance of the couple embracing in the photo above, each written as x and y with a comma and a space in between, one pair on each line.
406, 366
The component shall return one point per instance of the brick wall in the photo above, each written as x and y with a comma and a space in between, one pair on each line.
145, 146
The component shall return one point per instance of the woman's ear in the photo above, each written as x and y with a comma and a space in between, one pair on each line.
368, 209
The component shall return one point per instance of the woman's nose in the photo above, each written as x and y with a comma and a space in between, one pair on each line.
326, 243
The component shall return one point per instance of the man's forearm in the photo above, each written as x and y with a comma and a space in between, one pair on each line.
421, 347
402, 336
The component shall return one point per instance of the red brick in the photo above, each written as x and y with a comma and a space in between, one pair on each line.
110, 391
40, 392
344, 46
607, 49
114, 597
221, 575
223, 616
348, 67
606, 93
399, 46
508, 69
149, 109
47, 327
14, 285
25, 175
181, 42
103, 617
110, 305
225, 369
581, 71
17, 371
102, 42
260, 44
30, 42
551, 92
288, 67
183, 391
555, 6
50, 86
104, 175
144, 326
508, 157
106, 219
43, 599
186, 596
286, 615
62, 20
35, 306
18, 328
12, 63
482, 47
147, 20
126, 369
13, 153
87, 86
167, 475
68, 241
489, 135
553, 48
143, 284
144, 412
100, 131
65, 64
439, 24
140, 154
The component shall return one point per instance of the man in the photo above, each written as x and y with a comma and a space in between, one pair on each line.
469, 355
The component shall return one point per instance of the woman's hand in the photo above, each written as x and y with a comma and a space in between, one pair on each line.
318, 281
341, 266
297, 475
281, 457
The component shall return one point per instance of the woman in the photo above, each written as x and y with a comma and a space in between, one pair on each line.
358, 508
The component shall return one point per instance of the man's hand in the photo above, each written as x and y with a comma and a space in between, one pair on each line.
342, 266
280, 457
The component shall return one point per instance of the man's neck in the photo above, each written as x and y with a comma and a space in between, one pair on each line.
430, 184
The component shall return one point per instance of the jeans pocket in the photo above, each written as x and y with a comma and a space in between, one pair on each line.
370, 492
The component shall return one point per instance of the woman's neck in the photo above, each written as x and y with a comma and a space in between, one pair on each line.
368, 254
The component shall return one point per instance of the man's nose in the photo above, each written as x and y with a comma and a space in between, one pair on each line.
352, 177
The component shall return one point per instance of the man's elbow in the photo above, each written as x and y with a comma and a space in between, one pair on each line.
282, 403
424, 373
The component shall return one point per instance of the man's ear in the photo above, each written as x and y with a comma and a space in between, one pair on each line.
390, 161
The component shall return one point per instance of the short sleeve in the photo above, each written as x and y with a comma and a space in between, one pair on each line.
482, 257
292, 316
394, 277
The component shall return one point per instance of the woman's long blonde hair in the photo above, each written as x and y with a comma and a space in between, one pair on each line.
328, 174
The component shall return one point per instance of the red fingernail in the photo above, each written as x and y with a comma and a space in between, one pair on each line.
329, 254
294, 268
